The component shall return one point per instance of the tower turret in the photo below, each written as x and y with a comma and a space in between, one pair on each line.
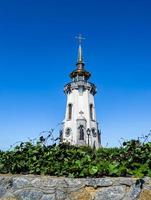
80, 126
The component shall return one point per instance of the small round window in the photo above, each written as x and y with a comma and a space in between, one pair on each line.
93, 132
68, 132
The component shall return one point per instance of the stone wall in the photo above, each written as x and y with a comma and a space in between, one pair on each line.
30, 187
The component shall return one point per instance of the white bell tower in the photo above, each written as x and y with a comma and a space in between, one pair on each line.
80, 126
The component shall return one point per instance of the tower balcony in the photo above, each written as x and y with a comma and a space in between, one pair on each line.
80, 84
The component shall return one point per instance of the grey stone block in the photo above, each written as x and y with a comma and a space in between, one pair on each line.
48, 197
20, 182
99, 182
2, 191
28, 194
111, 193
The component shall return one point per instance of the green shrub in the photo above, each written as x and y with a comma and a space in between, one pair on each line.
132, 159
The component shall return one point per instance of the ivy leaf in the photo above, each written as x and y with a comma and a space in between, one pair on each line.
93, 170
34, 158
78, 163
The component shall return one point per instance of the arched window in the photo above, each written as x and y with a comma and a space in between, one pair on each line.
91, 111
68, 132
81, 132
69, 111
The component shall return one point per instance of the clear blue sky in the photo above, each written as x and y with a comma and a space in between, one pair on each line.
38, 50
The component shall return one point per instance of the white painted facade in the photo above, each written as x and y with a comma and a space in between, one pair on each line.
80, 126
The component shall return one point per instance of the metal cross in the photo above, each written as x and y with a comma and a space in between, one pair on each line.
81, 113
80, 38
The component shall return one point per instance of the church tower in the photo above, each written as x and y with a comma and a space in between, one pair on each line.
80, 126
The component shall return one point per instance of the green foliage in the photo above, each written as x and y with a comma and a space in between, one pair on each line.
132, 159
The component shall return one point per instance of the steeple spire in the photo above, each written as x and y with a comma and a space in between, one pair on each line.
80, 57
80, 71
80, 63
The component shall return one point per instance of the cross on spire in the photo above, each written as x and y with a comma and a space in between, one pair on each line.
80, 38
